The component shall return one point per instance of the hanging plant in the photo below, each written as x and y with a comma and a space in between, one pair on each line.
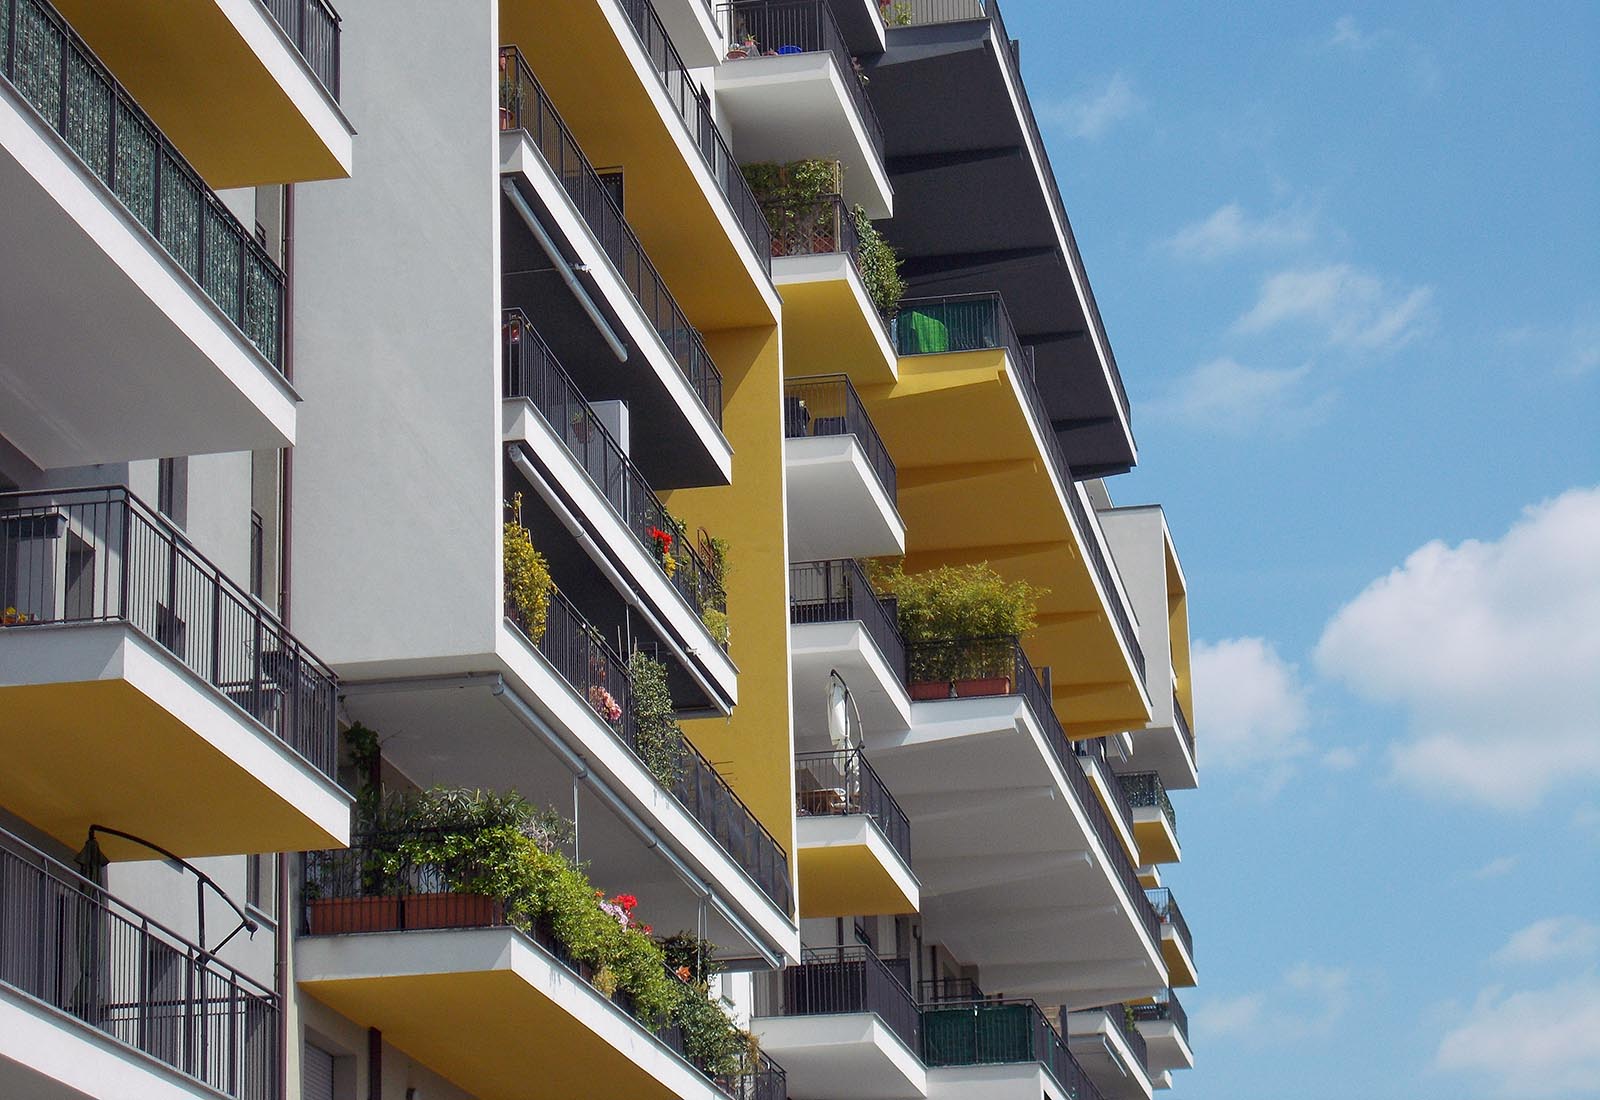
880, 267
657, 737
527, 575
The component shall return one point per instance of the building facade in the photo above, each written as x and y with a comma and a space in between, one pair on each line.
456, 467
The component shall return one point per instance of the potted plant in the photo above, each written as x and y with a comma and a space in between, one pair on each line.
12, 617
510, 94
605, 704
528, 583
661, 541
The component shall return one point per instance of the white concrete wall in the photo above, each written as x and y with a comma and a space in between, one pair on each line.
396, 524
1134, 536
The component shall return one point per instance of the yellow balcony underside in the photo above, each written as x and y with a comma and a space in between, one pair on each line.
847, 867
1157, 842
975, 486
1180, 967
228, 110
103, 752
584, 55
830, 326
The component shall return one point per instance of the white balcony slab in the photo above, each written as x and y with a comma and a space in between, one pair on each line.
837, 506
876, 682
852, 1054
1106, 1056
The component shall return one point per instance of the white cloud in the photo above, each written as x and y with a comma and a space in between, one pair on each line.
1349, 307
1227, 396
1341, 758
1307, 1000
1571, 349
1229, 229
1498, 867
1348, 34
1532, 1043
1551, 939
1250, 704
1492, 649
1221, 1016
1090, 114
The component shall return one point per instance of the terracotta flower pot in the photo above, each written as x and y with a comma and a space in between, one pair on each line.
506, 120
931, 689
986, 685
336, 916
451, 911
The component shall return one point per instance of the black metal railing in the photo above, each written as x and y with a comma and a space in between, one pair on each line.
833, 981
1123, 1019
599, 675
782, 27
1164, 1006
694, 108
827, 404
843, 784
968, 322
100, 555
313, 27
53, 70
992, 1032
531, 370
1096, 749
68, 942
1181, 720
524, 105
1167, 912
374, 886
762, 1079
1146, 789
821, 227
998, 666
925, 12
838, 592
938, 990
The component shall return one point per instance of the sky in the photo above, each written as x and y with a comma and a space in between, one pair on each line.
1349, 261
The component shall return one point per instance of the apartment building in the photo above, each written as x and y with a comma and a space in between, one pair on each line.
449, 466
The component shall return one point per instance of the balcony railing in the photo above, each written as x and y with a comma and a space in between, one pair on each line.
993, 1032
1165, 1006
783, 27
531, 370
1181, 720
821, 228
525, 106
839, 592
1094, 748
313, 27
694, 108
843, 784
1146, 789
998, 666
55, 73
827, 404
940, 990
1167, 911
1125, 1022
834, 981
968, 322
100, 555
581, 656
924, 12
373, 887
68, 942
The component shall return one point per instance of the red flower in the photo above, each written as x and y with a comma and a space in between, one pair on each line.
626, 901
646, 929
683, 972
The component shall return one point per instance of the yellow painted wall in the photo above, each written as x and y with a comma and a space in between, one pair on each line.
754, 749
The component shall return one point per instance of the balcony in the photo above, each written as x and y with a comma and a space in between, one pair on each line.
1177, 945
98, 1000
164, 334
992, 1047
998, 799
1094, 754
1108, 1045
842, 1024
485, 999
680, 183
956, 70
145, 690
798, 93
828, 313
1165, 1027
249, 92
840, 482
553, 192
852, 839
1155, 822
984, 478
578, 461
839, 624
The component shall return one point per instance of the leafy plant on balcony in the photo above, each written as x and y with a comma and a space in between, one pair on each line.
716, 624
880, 266
955, 603
657, 736
528, 583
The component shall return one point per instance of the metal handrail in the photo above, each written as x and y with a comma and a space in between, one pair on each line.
531, 370
525, 105
693, 107
97, 555
827, 404
999, 666
838, 591
1146, 789
1119, 1017
836, 981
53, 70
1164, 1006
1095, 748
802, 26
1167, 911
999, 1031
843, 784
67, 941
817, 227
1181, 720
313, 26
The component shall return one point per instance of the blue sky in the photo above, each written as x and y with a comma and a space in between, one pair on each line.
1350, 263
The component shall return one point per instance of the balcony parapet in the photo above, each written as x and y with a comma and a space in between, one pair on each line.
827, 405
843, 784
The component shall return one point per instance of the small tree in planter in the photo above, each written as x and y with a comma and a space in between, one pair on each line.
528, 583
657, 736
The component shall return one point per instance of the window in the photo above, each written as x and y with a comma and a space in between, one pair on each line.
172, 489
316, 1081
261, 881
611, 180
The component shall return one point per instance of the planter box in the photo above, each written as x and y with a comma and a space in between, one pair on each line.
451, 911
987, 685
931, 689
336, 916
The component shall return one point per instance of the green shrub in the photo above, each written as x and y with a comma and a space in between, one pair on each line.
880, 267
657, 735
527, 575
956, 602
